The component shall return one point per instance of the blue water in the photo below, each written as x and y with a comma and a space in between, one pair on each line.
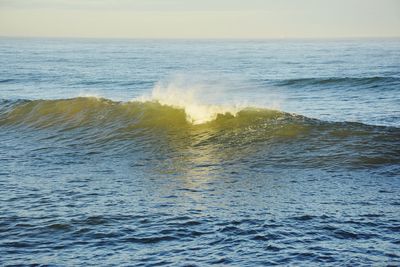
199, 152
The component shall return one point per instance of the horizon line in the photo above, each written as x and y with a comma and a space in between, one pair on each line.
202, 38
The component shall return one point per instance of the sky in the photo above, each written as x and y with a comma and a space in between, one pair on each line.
245, 19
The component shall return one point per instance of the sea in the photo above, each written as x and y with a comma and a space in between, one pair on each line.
131, 152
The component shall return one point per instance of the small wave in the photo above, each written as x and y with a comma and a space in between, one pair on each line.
149, 240
375, 80
6, 80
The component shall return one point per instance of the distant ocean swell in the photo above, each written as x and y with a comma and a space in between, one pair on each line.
280, 137
366, 82
372, 81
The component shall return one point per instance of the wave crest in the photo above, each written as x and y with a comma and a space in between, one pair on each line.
156, 112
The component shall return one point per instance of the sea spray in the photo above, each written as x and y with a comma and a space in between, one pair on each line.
201, 102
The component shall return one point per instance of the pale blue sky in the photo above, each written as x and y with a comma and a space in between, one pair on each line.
200, 18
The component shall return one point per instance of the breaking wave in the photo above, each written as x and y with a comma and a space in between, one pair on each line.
165, 127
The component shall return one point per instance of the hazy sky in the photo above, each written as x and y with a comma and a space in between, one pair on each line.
200, 18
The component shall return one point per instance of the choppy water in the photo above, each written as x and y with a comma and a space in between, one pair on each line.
237, 153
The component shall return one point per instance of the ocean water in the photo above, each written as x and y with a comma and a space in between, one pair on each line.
199, 152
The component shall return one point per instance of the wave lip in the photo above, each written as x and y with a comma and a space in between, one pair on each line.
94, 111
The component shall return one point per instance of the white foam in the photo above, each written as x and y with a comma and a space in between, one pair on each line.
189, 98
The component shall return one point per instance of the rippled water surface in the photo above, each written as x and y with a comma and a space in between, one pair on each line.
196, 153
